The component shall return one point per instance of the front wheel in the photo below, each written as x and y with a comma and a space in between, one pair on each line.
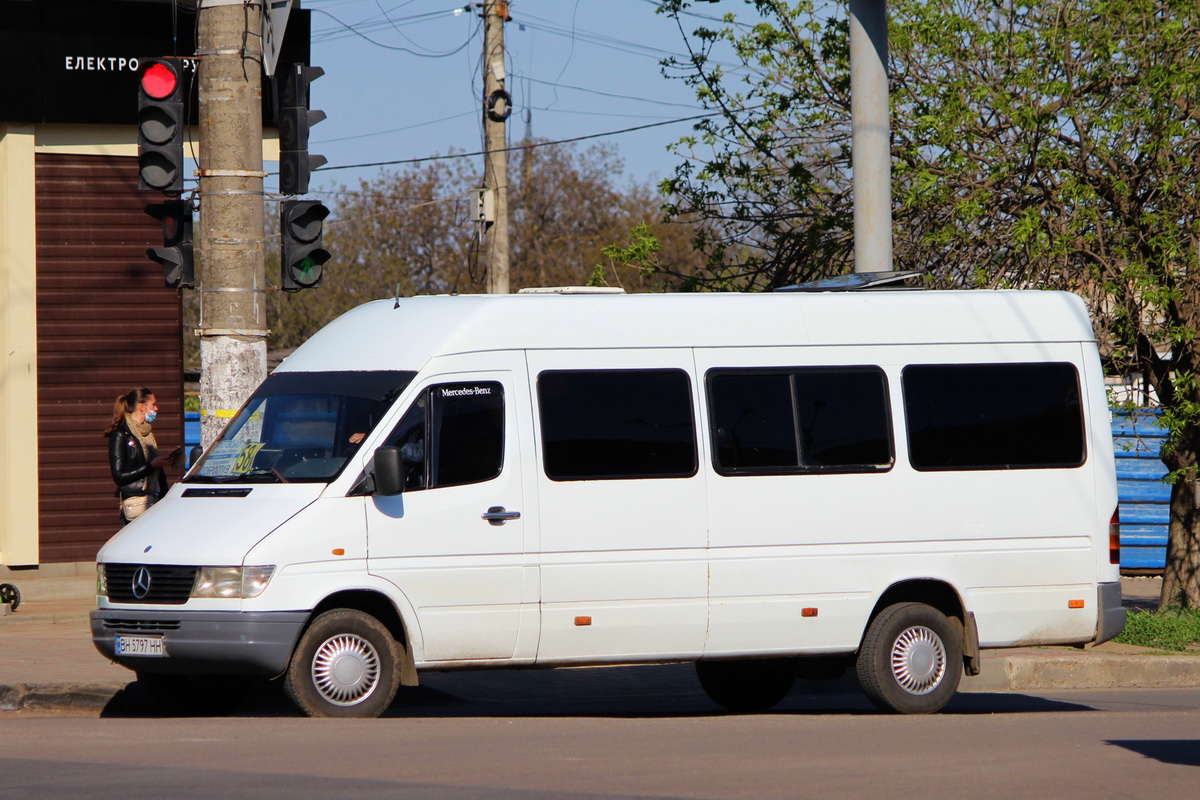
910, 661
344, 666
747, 686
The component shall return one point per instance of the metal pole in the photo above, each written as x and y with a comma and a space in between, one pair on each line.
495, 111
871, 136
232, 280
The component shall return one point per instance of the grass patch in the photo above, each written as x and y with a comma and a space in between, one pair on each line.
1164, 629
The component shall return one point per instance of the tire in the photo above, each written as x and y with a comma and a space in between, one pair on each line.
11, 595
910, 661
344, 666
746, 687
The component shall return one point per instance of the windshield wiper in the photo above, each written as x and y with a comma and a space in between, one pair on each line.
250, 474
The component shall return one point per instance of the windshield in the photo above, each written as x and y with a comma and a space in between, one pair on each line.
300, 427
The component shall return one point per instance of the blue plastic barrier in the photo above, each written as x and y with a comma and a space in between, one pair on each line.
1143, 498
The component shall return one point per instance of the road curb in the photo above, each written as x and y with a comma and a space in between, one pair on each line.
58, 696
1101, 671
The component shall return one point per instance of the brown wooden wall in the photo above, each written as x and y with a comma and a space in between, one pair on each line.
105, 324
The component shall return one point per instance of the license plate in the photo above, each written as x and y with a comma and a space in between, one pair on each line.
150, 646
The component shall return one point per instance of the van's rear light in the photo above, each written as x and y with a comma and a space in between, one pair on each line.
1114, 537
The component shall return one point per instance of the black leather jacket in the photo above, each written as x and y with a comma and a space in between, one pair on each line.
129, 464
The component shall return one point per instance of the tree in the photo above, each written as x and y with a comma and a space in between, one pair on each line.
1045, 144
767, 180
567, 208
414, 232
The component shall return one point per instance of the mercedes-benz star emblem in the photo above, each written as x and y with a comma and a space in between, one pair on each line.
141, 583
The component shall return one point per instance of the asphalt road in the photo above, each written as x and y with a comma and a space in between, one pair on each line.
1094, 744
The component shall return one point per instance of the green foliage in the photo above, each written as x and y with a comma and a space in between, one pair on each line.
1035, 144
415, 232
1164, 629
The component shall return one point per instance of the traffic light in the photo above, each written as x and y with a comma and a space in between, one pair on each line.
303, 252
175, 255
295, 164
160, 125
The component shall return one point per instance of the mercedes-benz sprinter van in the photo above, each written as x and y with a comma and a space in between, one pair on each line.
770, 486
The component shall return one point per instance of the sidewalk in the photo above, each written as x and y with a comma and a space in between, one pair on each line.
47, 661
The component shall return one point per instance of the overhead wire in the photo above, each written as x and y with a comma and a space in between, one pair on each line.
400, 48
520, 147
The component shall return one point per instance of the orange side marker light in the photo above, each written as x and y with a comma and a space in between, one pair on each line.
1074, 604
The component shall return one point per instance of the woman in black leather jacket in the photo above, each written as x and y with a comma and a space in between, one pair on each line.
133, 457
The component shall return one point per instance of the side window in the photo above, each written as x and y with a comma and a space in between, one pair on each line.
993, 416
452, 435
616, 424
753, 422
799, 420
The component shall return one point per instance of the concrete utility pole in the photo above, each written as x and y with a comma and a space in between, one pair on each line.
232, 280
496, 109
871, 136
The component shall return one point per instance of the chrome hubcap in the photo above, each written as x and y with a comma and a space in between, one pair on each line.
918, 660
345, 669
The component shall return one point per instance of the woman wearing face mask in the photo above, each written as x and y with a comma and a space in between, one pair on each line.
137, 467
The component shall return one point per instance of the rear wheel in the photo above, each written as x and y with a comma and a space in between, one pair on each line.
910, 661
747, 686
344, 666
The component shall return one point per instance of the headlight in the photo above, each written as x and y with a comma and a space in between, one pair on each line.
231, 582
101, 581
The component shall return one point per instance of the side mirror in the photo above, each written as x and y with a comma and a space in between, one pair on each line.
388, 471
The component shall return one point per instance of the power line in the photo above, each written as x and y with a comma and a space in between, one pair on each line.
521, 147
472, 112
604, 94
408, 50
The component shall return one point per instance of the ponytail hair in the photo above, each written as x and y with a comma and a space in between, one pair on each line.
126, 404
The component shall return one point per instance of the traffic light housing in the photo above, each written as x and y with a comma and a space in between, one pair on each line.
303, 252
295, 119
175, 255
160, 125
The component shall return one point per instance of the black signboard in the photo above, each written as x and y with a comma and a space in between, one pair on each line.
76, 61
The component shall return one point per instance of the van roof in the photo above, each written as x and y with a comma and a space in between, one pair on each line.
406, 333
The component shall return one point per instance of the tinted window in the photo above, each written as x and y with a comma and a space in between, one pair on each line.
617, 424
753, 421
467, 441
799, 420
844, 419
993, 416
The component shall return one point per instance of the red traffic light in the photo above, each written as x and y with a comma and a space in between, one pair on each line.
159, 80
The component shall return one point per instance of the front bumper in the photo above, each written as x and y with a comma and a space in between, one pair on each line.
1110, 618
203, 642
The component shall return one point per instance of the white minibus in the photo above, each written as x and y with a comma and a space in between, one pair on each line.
771, 486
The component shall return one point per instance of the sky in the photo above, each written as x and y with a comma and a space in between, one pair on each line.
402, 80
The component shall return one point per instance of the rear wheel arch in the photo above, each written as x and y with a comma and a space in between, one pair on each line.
939, 595
930, 591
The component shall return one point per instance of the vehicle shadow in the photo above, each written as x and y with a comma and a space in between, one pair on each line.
1184, 752
670, 690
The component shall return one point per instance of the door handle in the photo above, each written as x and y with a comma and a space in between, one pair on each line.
496, 515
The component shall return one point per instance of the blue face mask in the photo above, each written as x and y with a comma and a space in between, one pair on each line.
151, 416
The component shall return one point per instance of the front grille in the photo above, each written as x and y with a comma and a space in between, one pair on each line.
167, 585
141, 625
